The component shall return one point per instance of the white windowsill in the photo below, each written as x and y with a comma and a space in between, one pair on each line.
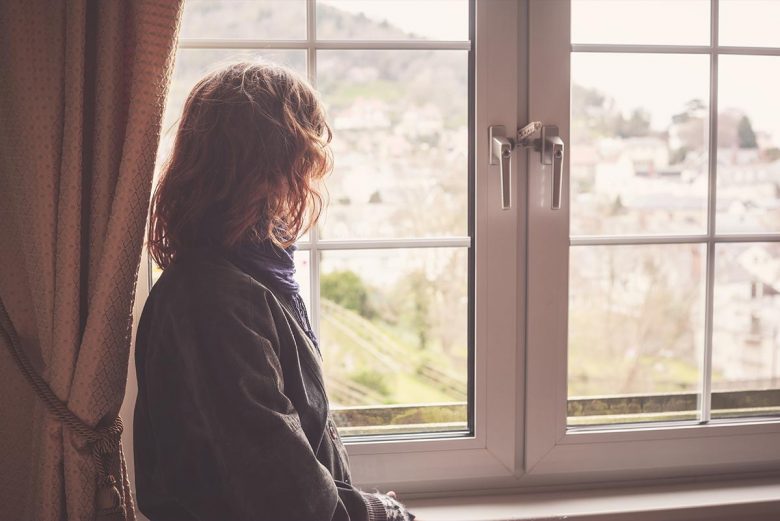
733, 500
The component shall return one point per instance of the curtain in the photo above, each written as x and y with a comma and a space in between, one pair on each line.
82, 88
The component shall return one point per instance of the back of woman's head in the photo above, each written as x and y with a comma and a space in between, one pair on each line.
249, 152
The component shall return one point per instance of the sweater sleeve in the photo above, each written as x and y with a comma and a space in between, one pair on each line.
383, 507
229, 443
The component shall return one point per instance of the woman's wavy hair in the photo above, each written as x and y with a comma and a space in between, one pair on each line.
251, 148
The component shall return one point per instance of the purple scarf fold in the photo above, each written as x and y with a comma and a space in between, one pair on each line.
275, 266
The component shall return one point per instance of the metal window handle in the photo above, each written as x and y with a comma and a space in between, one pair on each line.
550, 148
501, 154
552, 154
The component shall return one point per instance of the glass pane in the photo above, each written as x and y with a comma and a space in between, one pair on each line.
193, 64
636, 316
400, 121
302, 276
652, 22
746, 334
638, 143
393, 326
156, 272
751, 23
245, 19
393, 20
748, 144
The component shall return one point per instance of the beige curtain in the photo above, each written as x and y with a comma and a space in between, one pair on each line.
82, 87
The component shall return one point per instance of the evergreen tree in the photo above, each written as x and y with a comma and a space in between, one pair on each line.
745, 135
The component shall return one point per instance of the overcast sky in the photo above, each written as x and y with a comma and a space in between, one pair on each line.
661, 83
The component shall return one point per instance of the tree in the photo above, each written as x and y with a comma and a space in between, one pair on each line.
417, 312
410, 300
688, 129
596, 114
694, 108
347, 289
635, 126
745, 135
617, 206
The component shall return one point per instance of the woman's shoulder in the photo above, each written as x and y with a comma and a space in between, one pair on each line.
209, 280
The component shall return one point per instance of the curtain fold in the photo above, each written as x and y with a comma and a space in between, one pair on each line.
82, 89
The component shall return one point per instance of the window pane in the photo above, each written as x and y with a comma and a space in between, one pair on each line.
638, 143
246, 19
400, 121
749, 23
653, 22
302, 276
394, 332
393, 20
636, 316
193, 64
748, 144
746, 334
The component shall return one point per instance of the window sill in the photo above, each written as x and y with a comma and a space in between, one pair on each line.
721, 501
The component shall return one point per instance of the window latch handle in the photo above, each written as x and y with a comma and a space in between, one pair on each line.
501, 154
550, 146
552, 154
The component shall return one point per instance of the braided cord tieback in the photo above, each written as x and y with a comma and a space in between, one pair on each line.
109, 505
108, 499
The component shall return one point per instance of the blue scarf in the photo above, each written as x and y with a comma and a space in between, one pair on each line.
275, 267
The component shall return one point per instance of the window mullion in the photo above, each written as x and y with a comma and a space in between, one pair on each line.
705, 405
314, 253
631, 240
637, 49
705, 399
392, 244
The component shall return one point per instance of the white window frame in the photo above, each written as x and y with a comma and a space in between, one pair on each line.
429, 464
520, 441
490, 456
555, 453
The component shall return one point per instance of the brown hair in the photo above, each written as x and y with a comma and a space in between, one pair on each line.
251, 147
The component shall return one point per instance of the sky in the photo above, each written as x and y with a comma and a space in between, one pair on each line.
661, 83
415, 16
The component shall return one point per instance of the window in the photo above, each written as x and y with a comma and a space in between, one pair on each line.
388, 271
630, 334
652, 311
397, 274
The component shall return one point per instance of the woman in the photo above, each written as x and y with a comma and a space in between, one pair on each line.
232, 420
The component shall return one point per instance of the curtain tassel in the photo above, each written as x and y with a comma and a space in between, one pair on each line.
105, 449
